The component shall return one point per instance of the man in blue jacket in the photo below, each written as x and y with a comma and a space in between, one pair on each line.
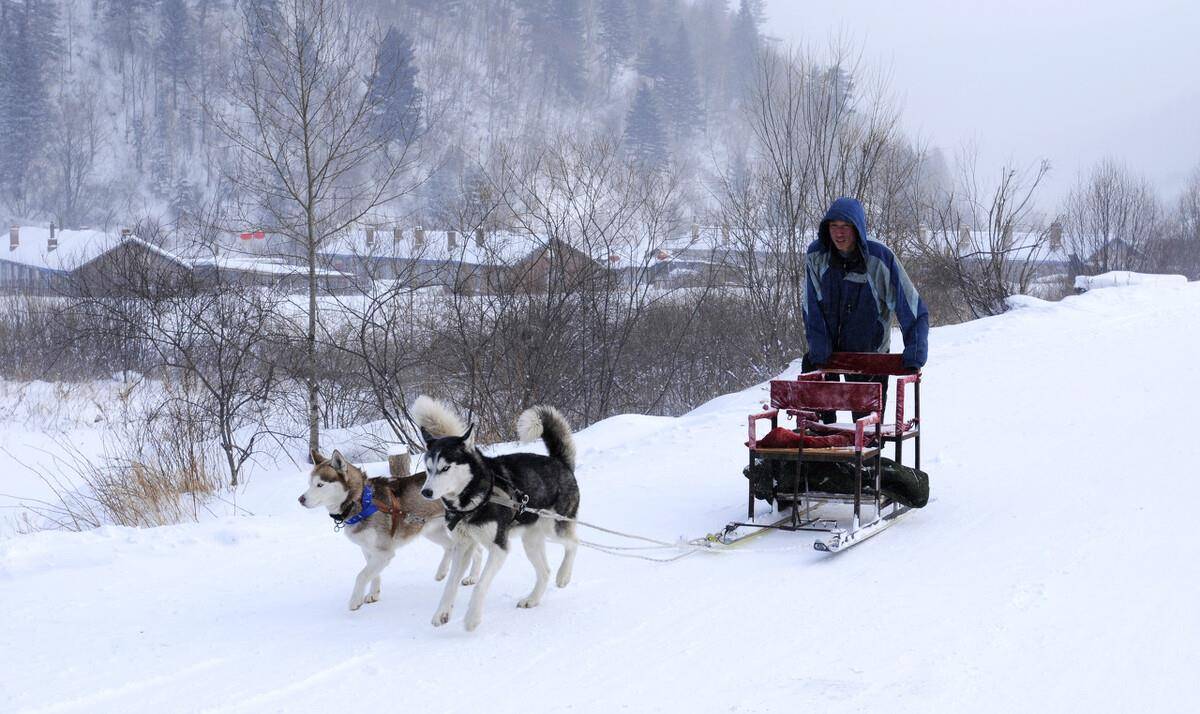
853, 287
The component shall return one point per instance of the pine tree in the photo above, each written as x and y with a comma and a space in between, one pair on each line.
393, 88
652, 62
616, 37
183, 201
745, 42
840, 85
28, 42
176, 48
555, 32
681, 94
127, 24
645, 140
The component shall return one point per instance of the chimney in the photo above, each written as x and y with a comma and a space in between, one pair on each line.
725, 234
14, 237
695, 232
452, 239
964, 236
52, 243
370, 236
419, 237
397, 235
479, 237
1056, 236
1007, 239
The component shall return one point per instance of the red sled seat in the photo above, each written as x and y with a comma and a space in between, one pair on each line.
805, 399
873, 364
821, 463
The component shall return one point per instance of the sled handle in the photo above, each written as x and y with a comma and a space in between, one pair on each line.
772, 414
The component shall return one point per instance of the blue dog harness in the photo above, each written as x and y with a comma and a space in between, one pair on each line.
368, 509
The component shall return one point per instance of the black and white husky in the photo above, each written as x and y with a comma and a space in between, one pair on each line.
492, 500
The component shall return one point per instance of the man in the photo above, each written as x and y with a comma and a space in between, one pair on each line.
853, 287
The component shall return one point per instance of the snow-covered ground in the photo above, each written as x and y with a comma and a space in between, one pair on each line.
1054, 571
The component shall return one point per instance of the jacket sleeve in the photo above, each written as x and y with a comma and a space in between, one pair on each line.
816, 332
912, 316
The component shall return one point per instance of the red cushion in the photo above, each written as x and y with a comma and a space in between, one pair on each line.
783, 438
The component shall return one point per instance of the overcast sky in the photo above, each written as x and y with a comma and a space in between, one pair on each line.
1071, 81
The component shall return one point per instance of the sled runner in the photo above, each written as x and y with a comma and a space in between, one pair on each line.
814, 464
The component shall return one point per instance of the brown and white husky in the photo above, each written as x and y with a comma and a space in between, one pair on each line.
396, 513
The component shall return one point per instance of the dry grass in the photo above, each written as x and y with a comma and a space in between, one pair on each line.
154, 472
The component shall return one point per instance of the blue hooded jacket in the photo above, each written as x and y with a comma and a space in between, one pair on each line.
849, 302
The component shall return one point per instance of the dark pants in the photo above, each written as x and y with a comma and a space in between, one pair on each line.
831, 417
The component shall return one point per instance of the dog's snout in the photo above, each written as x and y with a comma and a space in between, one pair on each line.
302, 501
427, 492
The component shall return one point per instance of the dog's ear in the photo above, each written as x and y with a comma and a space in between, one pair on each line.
426, 436
315, 456
337, 461
467, 436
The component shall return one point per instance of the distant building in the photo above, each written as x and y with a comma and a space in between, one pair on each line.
478, 262
101, 263
39, 260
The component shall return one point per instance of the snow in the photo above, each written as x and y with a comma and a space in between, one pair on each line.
261, 265
499, 247
74, 247
1053, 571
1116, 278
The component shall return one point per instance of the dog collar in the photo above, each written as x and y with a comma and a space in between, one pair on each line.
368, 509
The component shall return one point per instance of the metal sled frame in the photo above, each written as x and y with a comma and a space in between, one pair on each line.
803, 399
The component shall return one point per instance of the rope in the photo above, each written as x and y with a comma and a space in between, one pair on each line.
696, 545
617, 553
689, 547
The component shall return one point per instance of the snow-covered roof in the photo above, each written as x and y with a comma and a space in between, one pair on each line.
77, 248
74, 247
1024, 243
252, 264
705, 238
499, 248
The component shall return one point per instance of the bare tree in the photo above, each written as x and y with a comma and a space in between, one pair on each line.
985, 238
1111, 216
213, 339
76, 141
819, 131
1179, 248
312, 159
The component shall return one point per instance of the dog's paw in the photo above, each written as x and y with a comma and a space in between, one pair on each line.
473, 620
563, 580
441, 617
439, 576
469, 580
355, 604
373, 597
527, 602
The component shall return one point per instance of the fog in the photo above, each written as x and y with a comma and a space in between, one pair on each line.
1072, 82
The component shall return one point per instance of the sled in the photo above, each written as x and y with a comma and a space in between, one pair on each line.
859, 443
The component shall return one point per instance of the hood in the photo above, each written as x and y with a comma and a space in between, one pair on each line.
849, 210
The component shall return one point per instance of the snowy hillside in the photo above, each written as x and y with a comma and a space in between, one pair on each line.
1053, 571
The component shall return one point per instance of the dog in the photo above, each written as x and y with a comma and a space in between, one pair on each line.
491, 500
396, 514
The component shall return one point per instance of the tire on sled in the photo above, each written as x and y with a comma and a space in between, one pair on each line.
776, 481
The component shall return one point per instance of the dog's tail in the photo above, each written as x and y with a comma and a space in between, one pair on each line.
549, 424
436, 418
